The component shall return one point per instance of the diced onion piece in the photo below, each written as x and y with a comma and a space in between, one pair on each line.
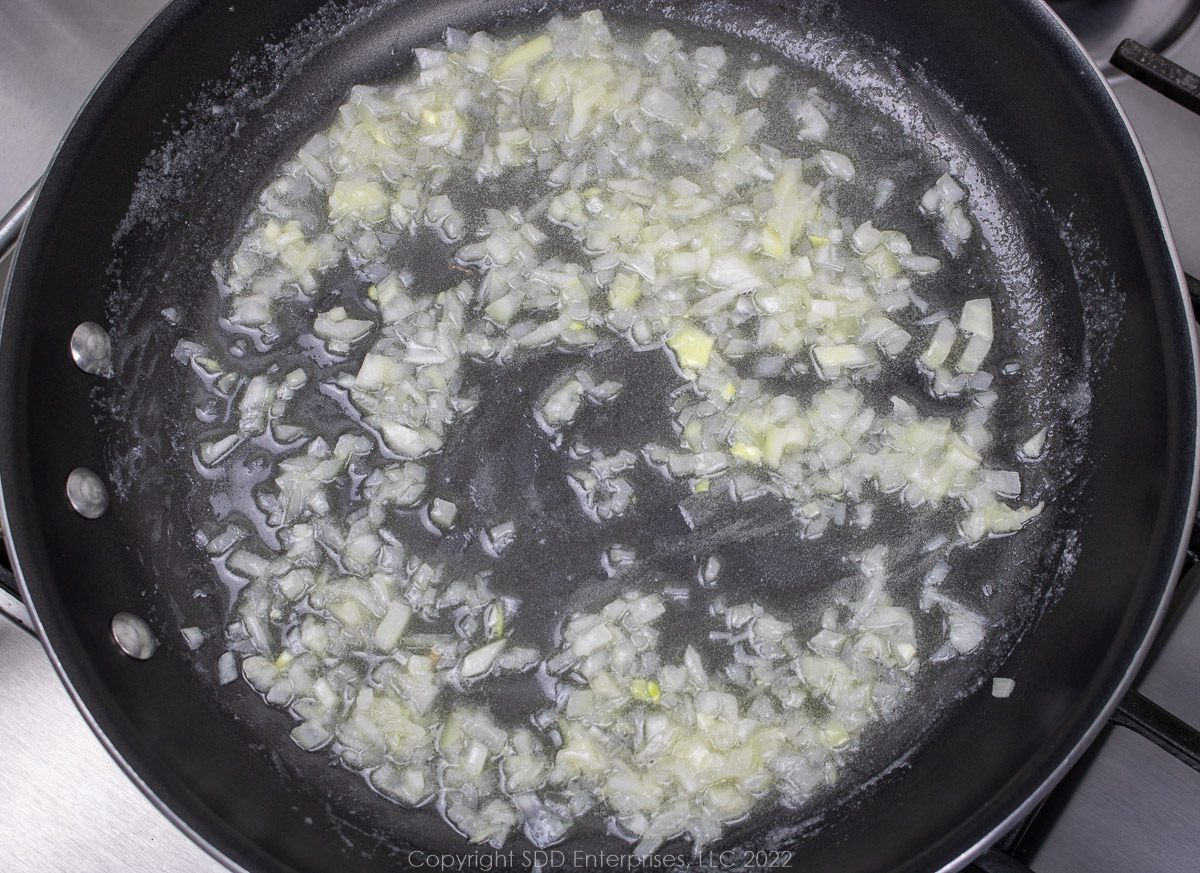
310, 736
524, 54
405, 441
692, 346
958, 225
643, 611
813, 125
680, 264
758, 81
226, 668
336, 325
391, 627
366, 201
211, 453
735, 272
940, 345
660, 103
495, 620
481, 660
562, 406
866, 237
1002, 687
948, 189
377, 371
974, 354
919, 263
1035, 445
883, 192
841, 356
625, 290
592, 640
977, 317
996, 518
502, 310
501, 536
783, 437
442, 512
966, 634
1003, 482
837, 164
546, 333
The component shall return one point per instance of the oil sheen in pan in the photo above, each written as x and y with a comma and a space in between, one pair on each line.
898, 139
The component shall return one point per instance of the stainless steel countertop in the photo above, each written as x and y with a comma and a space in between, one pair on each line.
65, 806
52, 53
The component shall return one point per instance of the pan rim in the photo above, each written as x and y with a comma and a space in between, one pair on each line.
1096, 77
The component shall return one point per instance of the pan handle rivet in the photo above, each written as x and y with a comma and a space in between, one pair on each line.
91, 349
87, 493
133, 636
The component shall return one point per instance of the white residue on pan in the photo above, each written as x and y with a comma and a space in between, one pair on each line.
214, 116
883, 90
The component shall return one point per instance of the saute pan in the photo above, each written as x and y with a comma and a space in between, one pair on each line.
158, 173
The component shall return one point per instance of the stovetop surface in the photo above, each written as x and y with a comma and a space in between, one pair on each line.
65, 806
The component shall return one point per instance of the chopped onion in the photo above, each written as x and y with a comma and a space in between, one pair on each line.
501, 536
812, 124
667, 222
442, 512
1035, 445
940, 345
836, 164
481, 660
977, 317
563, 404
226, 668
